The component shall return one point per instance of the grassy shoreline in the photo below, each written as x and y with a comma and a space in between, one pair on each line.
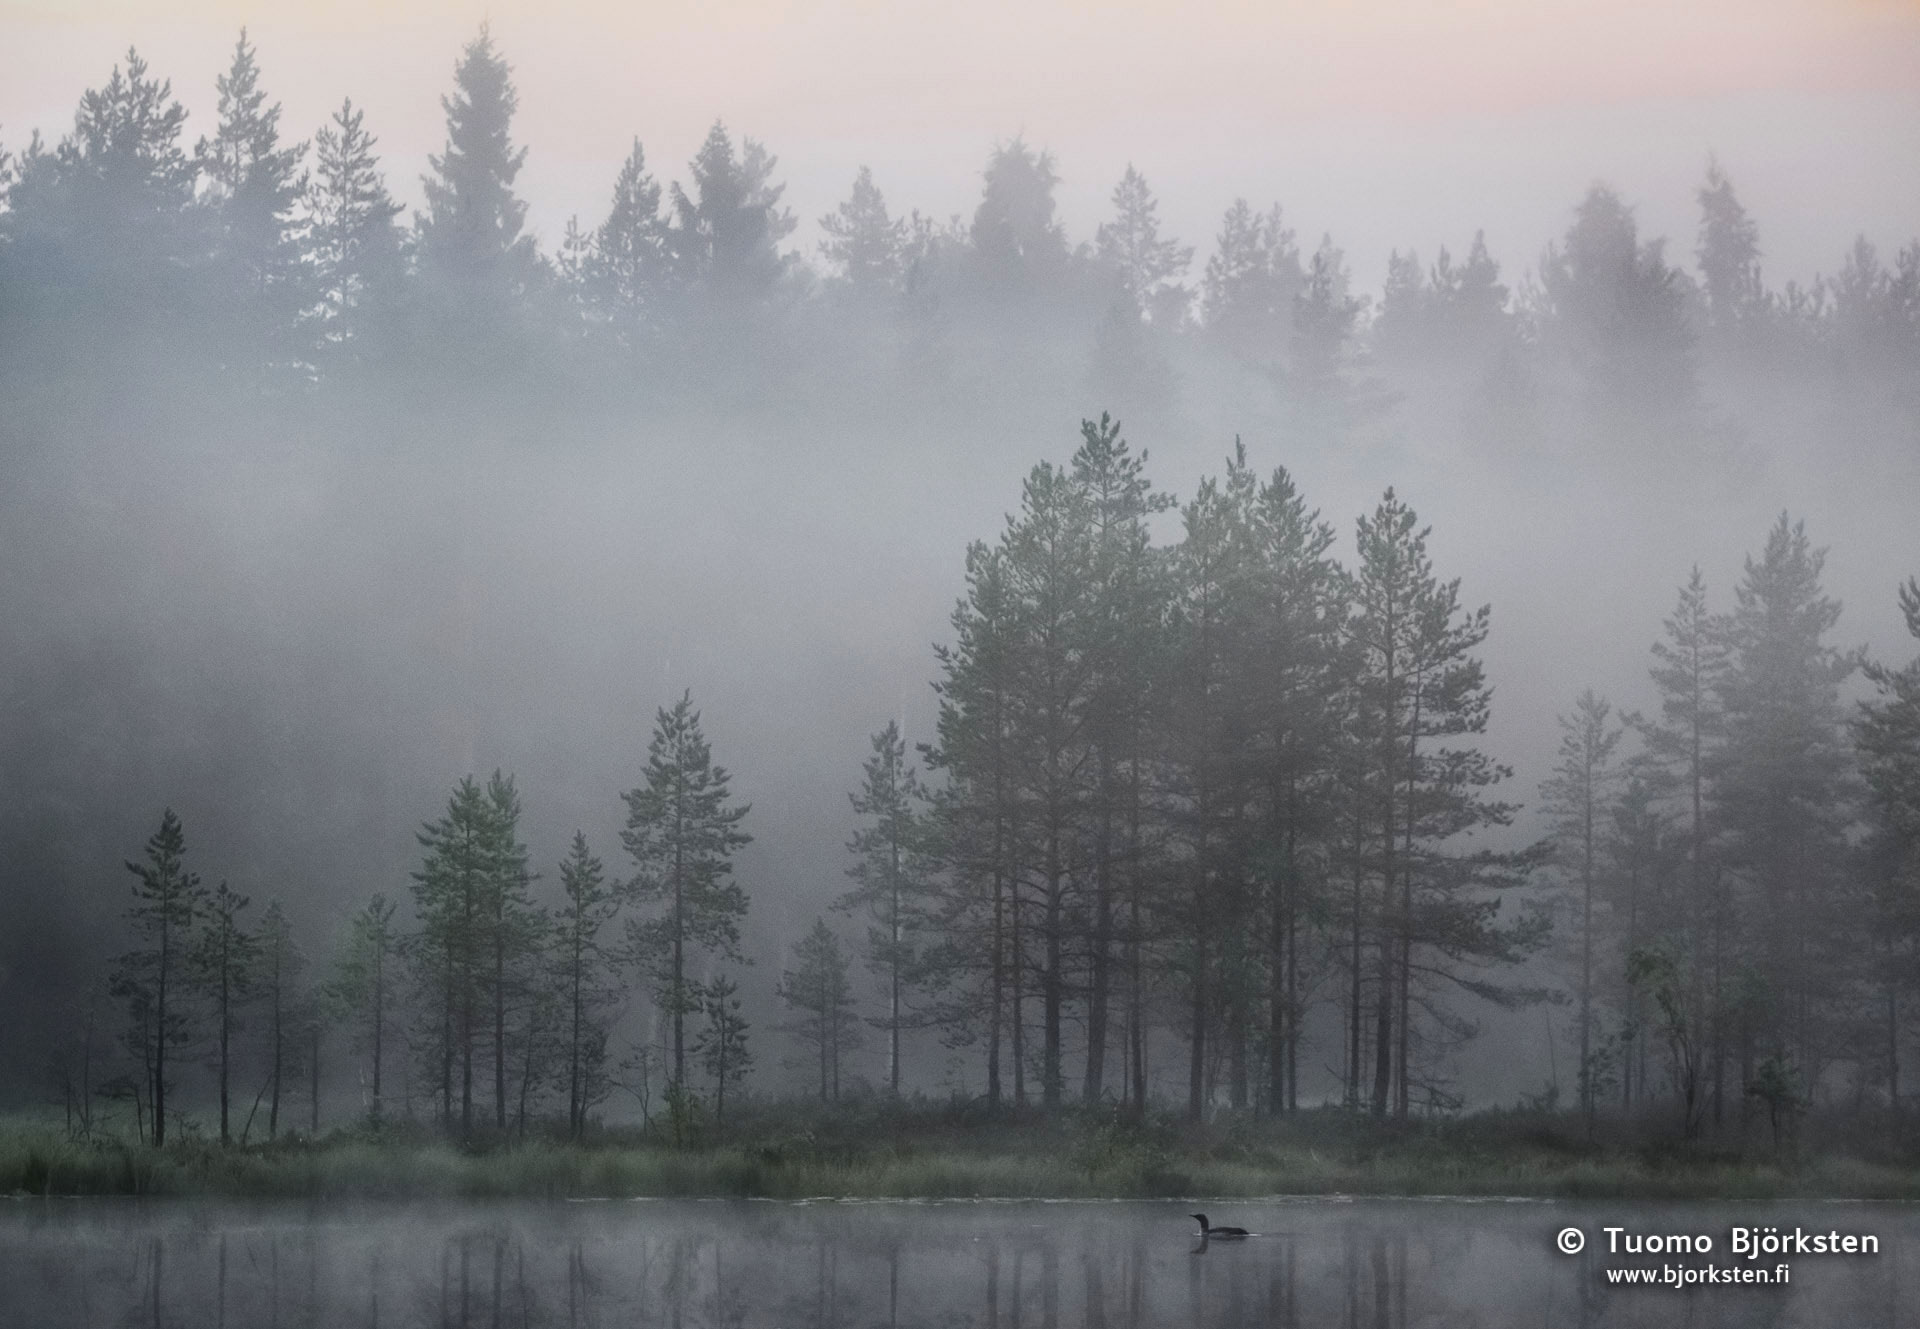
929, 1155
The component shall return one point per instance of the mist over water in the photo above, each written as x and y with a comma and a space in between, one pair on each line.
70, 1265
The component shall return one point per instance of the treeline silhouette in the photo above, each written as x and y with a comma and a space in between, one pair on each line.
259, 263
1218, 803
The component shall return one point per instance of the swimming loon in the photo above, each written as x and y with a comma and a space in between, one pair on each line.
1218, 1233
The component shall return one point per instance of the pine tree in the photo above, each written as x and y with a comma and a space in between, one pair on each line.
1576, 797
1131, 247
223, 961
629, 273
1873, 326
865, 247
514, 929
1292, 680
1403, 330
168, 903
350, 226
451, 892
1127, 592
1783, 791
726, 233
1206, 768
1645, 863
1887, 733
475, 263
1689, 670
890, 870
108, 212
1615, 315
1332, 400
978, 817
818, 990
682, 833
722, 1042
1018, 246
1452, 316
589, 903
281, 964
254, 187
1251, 280
1473, 300
364, 989
1047, 551
1419, 681
1729, 255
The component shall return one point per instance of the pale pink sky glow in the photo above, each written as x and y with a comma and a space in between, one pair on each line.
1388, 124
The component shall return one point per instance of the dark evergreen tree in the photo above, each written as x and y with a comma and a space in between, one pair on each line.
1887, 733
1019, 248
1729, 255
722, 1042
726, 233
866, 248
978, 818
1206, 767
1293, 684
477, 267
104, 246
891, 874
1689, 671
1615, 316
628, 272
1145, 266
1782, 786
1251, 280
281, 964
1122, 647
589, 902
259, 276
451, 896
1047, 553
682, 832
1576, 798
1332, 399
1419, 681
514, 932
168, 905
818, 991
1452, 317
356, 246
223, 960
364, 990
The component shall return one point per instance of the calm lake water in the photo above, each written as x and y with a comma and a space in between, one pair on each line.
1383, 1264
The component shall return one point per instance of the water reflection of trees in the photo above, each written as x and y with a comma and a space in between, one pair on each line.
852, 1267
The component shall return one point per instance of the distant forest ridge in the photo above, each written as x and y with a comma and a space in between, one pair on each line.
284, 263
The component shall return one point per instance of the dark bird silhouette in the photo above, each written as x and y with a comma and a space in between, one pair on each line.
1218, 1233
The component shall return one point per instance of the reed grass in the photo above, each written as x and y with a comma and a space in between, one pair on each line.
938, 1157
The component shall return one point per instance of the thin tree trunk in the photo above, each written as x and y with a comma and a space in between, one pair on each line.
160, 1036
313, 1079
500, 1012
1095, 1081
893, 973
226, 1025
379, 1019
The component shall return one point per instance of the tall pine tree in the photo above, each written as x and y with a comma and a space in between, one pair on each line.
682, 832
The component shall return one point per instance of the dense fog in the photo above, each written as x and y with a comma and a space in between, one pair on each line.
315, 504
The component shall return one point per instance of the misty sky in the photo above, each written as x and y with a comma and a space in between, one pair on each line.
1388, 124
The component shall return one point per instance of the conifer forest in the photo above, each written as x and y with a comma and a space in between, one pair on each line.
496, 680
